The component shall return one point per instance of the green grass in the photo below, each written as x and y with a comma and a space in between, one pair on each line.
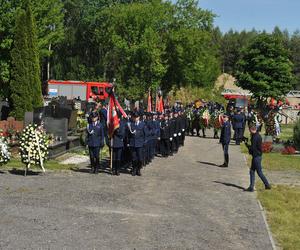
15, 163
278, 161
287, 132
282, 204
85, 151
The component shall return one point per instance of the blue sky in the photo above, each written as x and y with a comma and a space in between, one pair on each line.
258, 14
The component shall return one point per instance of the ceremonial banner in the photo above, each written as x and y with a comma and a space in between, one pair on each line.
159, 107
113, 121
149, 107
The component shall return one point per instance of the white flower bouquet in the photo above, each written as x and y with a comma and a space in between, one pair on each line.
33, 146
4, 153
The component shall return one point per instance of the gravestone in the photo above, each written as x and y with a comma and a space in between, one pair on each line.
4, 110
28, 119
57, 127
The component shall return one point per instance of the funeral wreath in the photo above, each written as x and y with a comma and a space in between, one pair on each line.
4, 153
33, 146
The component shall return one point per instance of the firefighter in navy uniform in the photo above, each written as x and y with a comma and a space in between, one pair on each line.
137, 130
172, 125
165, 136
95, 140
239, 122
117, 144
146, 148
156, 135
177, 133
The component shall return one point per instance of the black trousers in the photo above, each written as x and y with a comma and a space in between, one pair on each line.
165, 147
238, 135
94, 156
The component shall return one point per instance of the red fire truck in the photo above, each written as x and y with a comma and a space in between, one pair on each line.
86, 91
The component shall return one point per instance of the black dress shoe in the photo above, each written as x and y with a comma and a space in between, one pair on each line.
223, 165
249, 189
268, 187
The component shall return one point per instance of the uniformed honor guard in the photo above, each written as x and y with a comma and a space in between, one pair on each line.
165, 136
118, 146
136, 142
225, 139
95, 140
238, 121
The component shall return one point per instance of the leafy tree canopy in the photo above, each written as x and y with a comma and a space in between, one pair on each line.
265, 68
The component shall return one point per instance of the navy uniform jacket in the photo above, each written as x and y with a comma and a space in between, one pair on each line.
238, 120
119, 136
164, 130
151, 129
95, 135
137, 139
225, 133
172, 124
157, 128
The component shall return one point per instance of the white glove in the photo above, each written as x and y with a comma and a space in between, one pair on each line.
183, 129
171, 139
175, 135
179, 134
158, 138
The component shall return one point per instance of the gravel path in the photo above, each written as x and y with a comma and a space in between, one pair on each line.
183, 202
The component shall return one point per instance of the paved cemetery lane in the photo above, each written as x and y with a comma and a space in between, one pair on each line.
183, 202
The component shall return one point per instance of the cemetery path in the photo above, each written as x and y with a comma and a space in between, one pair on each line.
183, 202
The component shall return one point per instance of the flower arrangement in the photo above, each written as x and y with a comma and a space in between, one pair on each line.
4, 153
33, 146
289, 150
267, 147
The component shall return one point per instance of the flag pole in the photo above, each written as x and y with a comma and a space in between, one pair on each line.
111, 155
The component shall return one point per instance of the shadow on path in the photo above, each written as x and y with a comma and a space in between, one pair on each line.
22, 172
103, 169
208, 163
230, 185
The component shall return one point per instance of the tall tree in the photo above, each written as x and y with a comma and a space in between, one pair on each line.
33, 58
295, 56
20, 89
265, 68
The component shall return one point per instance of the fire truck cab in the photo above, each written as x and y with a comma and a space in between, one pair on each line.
85, 91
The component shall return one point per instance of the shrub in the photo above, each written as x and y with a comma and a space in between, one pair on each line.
267, 147
297, 134
289, 150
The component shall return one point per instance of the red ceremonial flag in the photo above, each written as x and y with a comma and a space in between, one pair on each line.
149, 107
160, 105
113, 121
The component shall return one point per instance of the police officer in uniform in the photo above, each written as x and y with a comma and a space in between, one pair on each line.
95, 140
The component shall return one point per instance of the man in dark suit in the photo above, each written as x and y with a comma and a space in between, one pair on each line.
225, 139
255, 149
95, 140
136, 142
